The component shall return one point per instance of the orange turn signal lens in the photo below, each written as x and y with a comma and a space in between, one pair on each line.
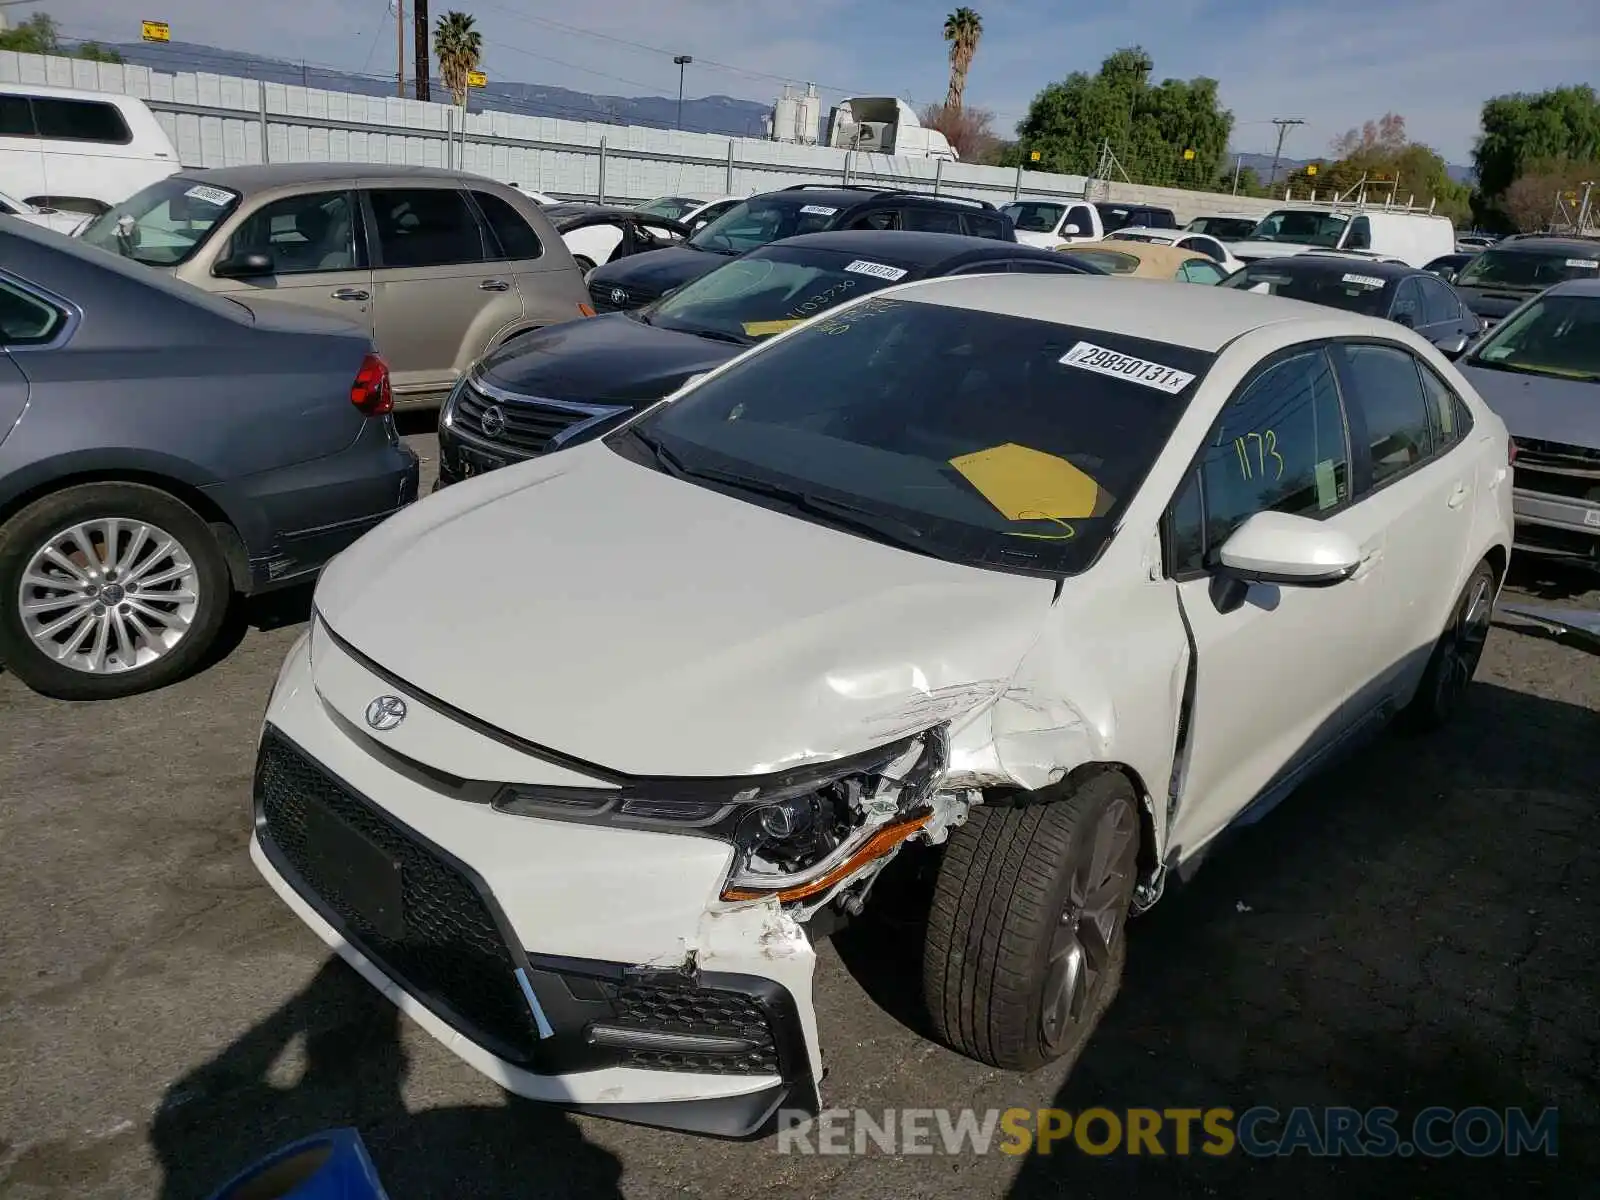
879, 845
586, 310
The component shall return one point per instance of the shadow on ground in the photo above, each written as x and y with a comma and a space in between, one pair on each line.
233, 1111
1419, 927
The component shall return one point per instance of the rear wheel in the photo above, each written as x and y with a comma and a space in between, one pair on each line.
107, 589
584, 264
1456, 655
1027, 936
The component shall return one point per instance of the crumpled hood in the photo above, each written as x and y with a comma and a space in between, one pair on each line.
1540, 408
657, 271
609, 357
646, 624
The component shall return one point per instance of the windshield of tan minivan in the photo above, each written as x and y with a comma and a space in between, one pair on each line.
165, 223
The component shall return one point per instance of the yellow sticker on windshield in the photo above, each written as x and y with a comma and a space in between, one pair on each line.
1029, 485
767, 328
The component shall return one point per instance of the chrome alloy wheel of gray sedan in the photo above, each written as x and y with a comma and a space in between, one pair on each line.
109, 595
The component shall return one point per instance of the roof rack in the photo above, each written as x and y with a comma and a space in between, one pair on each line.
834, 187
938, 196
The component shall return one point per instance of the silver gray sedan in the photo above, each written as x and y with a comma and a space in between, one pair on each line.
163, 450
1540, 370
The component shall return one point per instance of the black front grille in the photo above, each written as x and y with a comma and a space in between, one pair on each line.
603, 297
1558, 469
528, 425
697, 1010
452, 956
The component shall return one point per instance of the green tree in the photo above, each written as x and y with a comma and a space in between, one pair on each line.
962, 29
1148, 127
1380, 159
40, 35
459, 49
1523, 128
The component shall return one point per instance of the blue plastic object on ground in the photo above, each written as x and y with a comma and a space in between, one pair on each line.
328, 1166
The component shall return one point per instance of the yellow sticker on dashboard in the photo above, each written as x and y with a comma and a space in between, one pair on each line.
768, 328
1029, 485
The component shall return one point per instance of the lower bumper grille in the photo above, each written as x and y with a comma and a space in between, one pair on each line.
451, 955
701, 1012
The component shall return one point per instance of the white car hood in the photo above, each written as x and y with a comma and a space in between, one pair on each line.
646, 624
1249, 249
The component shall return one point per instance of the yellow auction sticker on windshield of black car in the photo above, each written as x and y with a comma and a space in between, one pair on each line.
1086, 356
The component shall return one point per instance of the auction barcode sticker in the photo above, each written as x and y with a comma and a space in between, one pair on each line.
877, 270
1371, 281
818, 210
1580, 263
209, 195
1086, 356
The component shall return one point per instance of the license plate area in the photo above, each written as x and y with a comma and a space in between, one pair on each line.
366, 879
473, 462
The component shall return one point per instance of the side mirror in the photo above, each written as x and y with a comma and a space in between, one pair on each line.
1283, 549
243, 266
1071, 230
1452, 347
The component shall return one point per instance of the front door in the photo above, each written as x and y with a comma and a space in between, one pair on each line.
434, 282
318, 255
1271, 676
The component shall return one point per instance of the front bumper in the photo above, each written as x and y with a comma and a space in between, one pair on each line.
588, 967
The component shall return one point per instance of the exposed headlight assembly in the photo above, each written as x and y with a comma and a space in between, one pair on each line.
796, 834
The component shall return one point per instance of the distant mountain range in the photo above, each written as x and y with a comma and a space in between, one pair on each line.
1262, 165
706, 114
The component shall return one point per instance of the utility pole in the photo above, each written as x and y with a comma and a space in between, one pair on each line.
1283, 124
683, 60
419, 29
399, 7
1238, 162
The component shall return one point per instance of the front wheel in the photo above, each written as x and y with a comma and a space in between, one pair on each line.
585, 264
1027, 935
108, 589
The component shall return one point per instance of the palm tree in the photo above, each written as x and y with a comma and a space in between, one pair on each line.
419, 33
962, 29
459, 49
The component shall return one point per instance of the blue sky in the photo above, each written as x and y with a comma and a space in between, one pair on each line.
1435, 61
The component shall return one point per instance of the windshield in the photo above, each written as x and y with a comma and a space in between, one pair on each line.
763, 219
1553, 335
1510, 268
164, 224
673, 208
1229, 229
770, 291
1301, 227
987, 439
1033, 216
1354, 290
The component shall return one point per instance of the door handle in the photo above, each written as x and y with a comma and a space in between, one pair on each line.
494, 285
1458, 497
350, 293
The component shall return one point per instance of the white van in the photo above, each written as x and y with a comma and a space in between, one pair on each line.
1415, 238
78, 151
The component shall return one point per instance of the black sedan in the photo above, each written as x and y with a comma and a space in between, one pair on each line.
571, 382
1418, 300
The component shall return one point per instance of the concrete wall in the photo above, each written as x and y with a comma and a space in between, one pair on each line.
223, 121
1186, 205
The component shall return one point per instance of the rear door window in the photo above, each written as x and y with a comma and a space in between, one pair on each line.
1439, 306
883, 218
1383, 381
426, 227
16, 117
80, 121
932, 220
517, 238
985, 225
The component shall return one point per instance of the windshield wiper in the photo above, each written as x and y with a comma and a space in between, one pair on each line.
717, 335
1515, 369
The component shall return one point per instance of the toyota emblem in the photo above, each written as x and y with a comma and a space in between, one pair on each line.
494, 421
619, 297
386, 712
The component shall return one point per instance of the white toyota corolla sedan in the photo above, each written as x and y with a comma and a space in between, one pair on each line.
1051, 579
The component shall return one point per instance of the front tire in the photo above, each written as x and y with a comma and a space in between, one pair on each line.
1026, 938
585, 265
1456, 655
108, 589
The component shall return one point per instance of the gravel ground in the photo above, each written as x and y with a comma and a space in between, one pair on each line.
1416, 928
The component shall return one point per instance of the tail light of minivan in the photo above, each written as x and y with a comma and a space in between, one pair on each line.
371, 392
1511, 452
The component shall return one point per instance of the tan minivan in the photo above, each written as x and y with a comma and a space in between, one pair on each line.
439, 266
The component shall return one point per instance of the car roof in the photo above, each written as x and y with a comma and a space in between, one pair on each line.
259, 178
1182, 314
910, 249
1154, 231
844, 196
1539, 244
1328, 264
65, 93
1576, 287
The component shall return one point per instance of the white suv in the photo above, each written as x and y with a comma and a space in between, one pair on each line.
1060, 576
